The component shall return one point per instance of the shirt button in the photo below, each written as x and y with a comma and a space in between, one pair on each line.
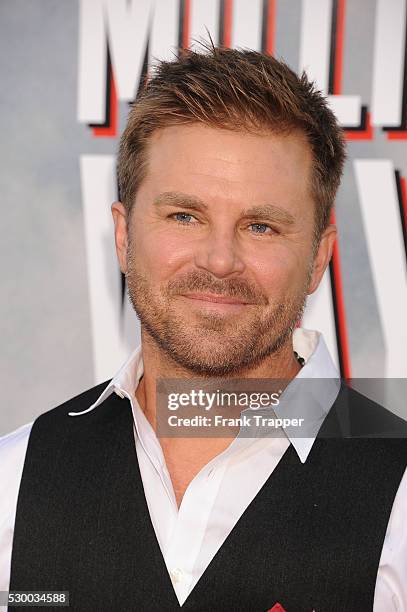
177, 575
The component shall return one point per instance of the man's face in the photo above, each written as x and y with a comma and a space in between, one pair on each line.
219, 254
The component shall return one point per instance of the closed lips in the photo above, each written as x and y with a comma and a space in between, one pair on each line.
210, 297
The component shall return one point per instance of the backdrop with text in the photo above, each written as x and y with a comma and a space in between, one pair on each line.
70, 71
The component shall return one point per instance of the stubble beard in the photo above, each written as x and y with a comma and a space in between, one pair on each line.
211, 344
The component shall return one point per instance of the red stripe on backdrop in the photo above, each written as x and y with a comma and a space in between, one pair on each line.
227, 23
359, 134
396, 135
186, 24
110, 130
339, 39
401, 134
271, 26
335, 88
403, 185
366, 134
342, 334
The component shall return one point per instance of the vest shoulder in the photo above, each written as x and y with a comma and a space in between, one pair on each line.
78, 403
362, 417
370, 414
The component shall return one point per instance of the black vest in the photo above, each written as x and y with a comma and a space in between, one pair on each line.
311, 539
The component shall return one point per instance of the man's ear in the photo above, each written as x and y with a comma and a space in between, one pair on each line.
322, 257
120, 234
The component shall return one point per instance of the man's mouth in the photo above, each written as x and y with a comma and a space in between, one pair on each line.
213, 301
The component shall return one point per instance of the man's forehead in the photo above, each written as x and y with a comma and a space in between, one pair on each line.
228, 154
201, 133
209, 162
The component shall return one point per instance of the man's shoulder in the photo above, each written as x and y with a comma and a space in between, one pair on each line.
13, 447
79, 417
357, 416
78, 403
370, 418
14, 444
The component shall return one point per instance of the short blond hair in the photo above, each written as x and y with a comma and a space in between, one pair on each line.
238, 90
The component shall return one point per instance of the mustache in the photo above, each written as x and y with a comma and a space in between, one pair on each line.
205, 283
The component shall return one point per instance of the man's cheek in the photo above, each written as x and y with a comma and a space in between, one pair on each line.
173, 255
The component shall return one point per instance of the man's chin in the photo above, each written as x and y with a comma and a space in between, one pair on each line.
205, 365
211, 353
219, 322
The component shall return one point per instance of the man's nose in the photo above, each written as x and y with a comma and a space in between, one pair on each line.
220, 253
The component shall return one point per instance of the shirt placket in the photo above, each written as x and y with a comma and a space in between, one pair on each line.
190, 527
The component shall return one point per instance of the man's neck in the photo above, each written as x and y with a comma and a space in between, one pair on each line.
185, 457
157, 364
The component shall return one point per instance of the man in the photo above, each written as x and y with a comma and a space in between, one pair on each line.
228, 170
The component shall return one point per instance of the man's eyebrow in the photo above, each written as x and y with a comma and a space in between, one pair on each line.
270, 212
266, 212
176, 198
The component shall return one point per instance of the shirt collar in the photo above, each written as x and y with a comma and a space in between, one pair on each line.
313, 399
318, 365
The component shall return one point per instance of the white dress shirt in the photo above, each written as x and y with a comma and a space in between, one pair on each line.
190, 536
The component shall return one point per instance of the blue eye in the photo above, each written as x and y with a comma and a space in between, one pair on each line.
260, 228
182, 217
